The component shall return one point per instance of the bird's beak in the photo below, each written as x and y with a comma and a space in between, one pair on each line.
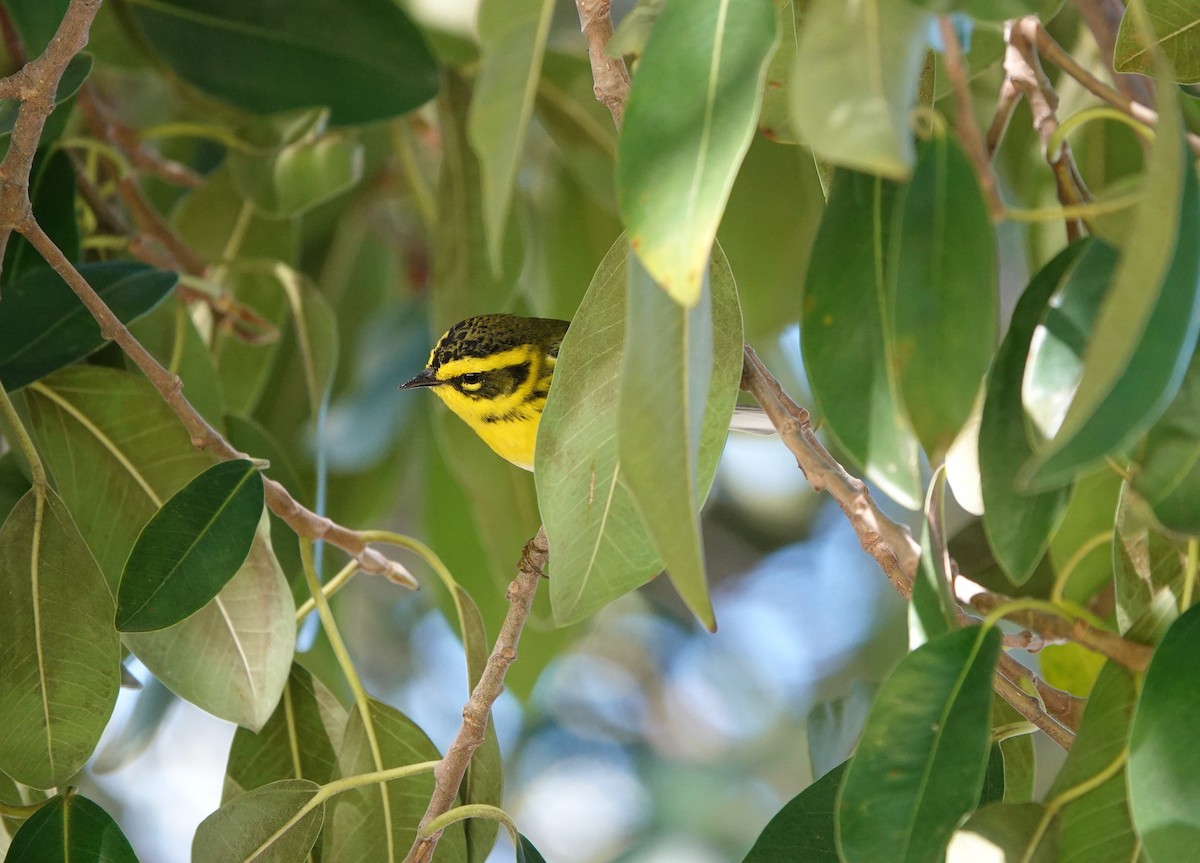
426, 378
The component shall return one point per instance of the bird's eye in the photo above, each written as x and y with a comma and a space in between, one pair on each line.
471, 379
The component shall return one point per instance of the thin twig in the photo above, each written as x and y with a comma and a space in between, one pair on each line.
1102, 18
1131, 654
450, 772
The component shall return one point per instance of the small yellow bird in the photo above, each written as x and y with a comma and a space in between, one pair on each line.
494, 371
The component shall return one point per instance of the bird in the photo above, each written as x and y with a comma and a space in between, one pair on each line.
494, 372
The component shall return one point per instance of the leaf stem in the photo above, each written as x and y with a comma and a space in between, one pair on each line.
1189, 574
23, 441
471, 810
347, 665
329, 588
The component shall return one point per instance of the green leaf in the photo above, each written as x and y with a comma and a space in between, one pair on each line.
1163, 762
1176, 34
665, 380
775, 119
512, 39
44, 326
366, 63
526, 853
933, 611
59, 653
945, 313
190, 548
356, 826
1081, 550
581, 127
1148, 567
210, 215
1005, 831
688, 122
1019, 525
13, 482
855, 83
37, 21
116, 452
1147, 324
920, 762
804, 828
1167, 474
602, 549
1094, 821
844, 326
70, 829
271, 824
299, 741
168, 332
76, 73
52, 192
298, 177
467, 282
1020, 759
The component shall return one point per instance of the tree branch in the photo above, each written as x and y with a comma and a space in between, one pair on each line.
609, 74
453, 767
36, 85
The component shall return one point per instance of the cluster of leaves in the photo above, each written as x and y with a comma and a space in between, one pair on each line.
1074, 438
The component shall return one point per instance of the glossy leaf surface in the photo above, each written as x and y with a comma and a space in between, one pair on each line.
70, 829
691, 111
368, 66
845, 326
920, 762
803, 829
945, 306
44, 326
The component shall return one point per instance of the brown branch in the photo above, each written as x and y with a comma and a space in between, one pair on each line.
609, 74
1131, 654
1056, 54
968, 132
36, 84
302, 520
1007, 684
453, 767
888, 542
1023, 69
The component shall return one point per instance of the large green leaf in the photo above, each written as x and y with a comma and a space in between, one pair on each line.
512, 39
1163, 762
36, 21
665, 379
855, 82
59, 652
52, 193
1019, 525
366, 62
775, 119
1147, 324
945, 306
920, 762
356, 828
1094, 826
601, 548
1005, 832
271, 824
44, 325
70, 829
803, 829
688, 121
1168, 466
299, 741
116, 452
191, 547
844, 336
1176, 34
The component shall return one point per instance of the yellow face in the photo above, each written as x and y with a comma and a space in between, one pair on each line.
501, 397
494, 372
